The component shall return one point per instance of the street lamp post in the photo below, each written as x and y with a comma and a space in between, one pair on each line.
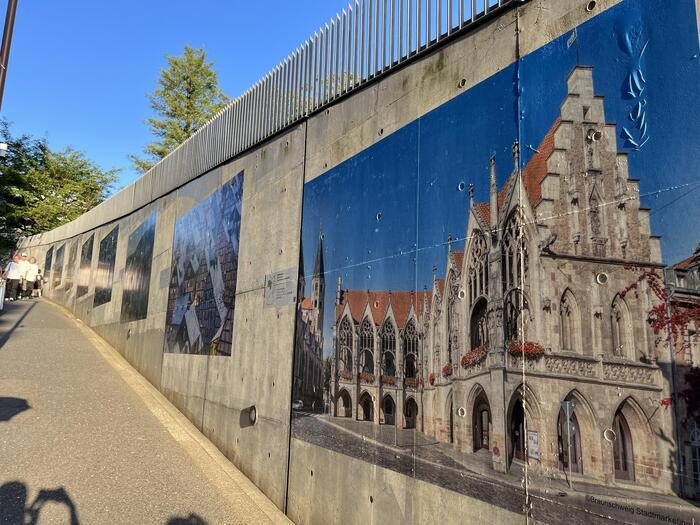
6, 43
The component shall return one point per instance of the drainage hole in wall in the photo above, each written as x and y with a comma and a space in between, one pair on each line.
462, 83
371, 499
461, 186
312, 473
381, 131
379, 216
591, 5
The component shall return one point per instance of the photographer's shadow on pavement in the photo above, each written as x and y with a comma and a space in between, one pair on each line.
15, 511
12, 406
192, 519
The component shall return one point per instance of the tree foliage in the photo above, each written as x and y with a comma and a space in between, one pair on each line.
41, 189
187, 97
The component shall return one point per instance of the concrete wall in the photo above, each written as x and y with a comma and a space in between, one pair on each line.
314, 484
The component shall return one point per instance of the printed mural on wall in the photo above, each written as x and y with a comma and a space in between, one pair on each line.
57, 270
70, 265
105, 268
201, 297
85, 269
137, 275
490, 283
48, 261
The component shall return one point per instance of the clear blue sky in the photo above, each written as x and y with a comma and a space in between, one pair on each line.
80, 70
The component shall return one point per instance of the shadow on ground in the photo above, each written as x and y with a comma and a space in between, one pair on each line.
12, 406
192, 519
8, 309
15, 511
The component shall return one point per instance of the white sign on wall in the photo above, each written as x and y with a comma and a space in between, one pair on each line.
533, 444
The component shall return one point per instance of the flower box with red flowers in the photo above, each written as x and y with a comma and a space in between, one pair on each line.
530, 349
366, 377
431, 378
388, 380
447, 370
474, 357
413, 382
346, 375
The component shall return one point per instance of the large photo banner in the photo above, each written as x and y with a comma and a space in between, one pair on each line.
502, 298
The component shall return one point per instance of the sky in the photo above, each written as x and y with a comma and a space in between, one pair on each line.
79, 71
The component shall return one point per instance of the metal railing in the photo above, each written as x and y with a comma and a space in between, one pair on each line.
366, 40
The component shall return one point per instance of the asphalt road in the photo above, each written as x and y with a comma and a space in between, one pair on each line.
84, 440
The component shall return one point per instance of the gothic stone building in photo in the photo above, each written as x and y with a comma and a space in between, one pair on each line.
308, 356
542, 273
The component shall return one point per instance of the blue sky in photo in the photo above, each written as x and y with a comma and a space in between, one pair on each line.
412, 177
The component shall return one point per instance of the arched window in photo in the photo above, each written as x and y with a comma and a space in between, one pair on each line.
623, 451
516, 313
514, 252
569, 323
387, 336
621, 337
478, 329
366, 347
345, 346
478, 267
410, 350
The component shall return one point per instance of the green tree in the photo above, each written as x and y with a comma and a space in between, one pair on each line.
41, 189
187, 97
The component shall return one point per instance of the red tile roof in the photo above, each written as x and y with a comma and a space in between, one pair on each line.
459, 258
686, 263
534, 174
379, 302
306, 303
536, 169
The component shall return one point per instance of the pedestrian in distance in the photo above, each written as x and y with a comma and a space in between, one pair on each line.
13, 276
24, 290
38, 283
30, 277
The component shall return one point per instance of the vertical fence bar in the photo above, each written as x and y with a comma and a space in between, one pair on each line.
401, 30
438, 25
361, 49
392, 16
460, 13
331, 60
343, 48
419, 23
306, 107
384, 28
313, 73
355, 34
473, 10
377, 42
409, 36
299, 63
285, 91
324, 69
428, 16
450, 23
336, 57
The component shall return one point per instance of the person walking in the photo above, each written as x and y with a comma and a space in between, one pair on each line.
13, 275
24, 265
30, 277
39, 283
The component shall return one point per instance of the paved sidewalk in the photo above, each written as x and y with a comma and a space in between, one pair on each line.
82, 433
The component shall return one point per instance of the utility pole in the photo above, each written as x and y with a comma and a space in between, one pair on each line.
6, 43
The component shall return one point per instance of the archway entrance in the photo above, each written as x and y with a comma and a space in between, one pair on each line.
623, 452
389, 409
517, 431
367, 407
481, 422
574, 450
411, 413
345, 404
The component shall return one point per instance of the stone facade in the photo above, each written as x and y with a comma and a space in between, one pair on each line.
683, 279
308, 357
534, 312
